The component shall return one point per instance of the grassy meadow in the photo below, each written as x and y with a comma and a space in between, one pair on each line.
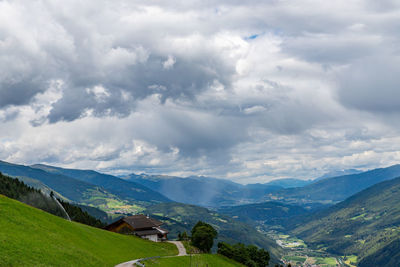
31, 237
198, 260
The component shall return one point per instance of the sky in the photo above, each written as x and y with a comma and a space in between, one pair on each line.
243, 90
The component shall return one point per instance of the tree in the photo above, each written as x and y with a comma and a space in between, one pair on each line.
225, 249
203, 235
262, 257
183, 236
250, 256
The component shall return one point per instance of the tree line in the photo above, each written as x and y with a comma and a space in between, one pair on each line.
250, 256
203, 235
18, 190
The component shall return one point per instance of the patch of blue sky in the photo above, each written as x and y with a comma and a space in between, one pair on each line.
251, 37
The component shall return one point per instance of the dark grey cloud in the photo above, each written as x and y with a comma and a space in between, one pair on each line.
372, 84
331, 48
102, 49
19, 92
179, 87
124, 87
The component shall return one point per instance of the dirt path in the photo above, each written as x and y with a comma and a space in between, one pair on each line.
178, 244
128, 263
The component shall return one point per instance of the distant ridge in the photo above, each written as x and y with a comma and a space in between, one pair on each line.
106, 192
335, 189
123, 188
289, 182
337, 173
204, 191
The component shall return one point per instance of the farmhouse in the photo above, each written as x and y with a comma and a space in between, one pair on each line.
139, 225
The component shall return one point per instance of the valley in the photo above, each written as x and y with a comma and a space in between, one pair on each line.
301, 229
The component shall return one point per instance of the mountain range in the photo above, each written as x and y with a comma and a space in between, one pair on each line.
204, 191
354, 214
335, 189
94, 189
117, 196
118, 186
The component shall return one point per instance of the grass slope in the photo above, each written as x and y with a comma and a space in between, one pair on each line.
199, 260
31, 237
360, 225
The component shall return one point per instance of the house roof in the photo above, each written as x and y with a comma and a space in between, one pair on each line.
141, 221
137, 222
154, 231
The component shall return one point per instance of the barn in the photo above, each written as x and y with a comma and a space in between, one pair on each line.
139, 225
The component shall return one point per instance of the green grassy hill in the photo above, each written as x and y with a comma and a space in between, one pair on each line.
31, 237
200, 260
182, 217
362, 225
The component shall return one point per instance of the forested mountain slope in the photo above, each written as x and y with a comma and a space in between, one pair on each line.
266, 213
387, 256
362, 224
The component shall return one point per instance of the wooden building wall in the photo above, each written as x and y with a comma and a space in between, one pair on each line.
122, 228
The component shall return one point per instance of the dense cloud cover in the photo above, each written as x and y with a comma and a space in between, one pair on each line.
245, 90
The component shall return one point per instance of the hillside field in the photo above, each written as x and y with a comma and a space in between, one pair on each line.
31, 237
199, 260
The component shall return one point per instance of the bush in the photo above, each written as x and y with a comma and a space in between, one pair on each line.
250, 256
203, 235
